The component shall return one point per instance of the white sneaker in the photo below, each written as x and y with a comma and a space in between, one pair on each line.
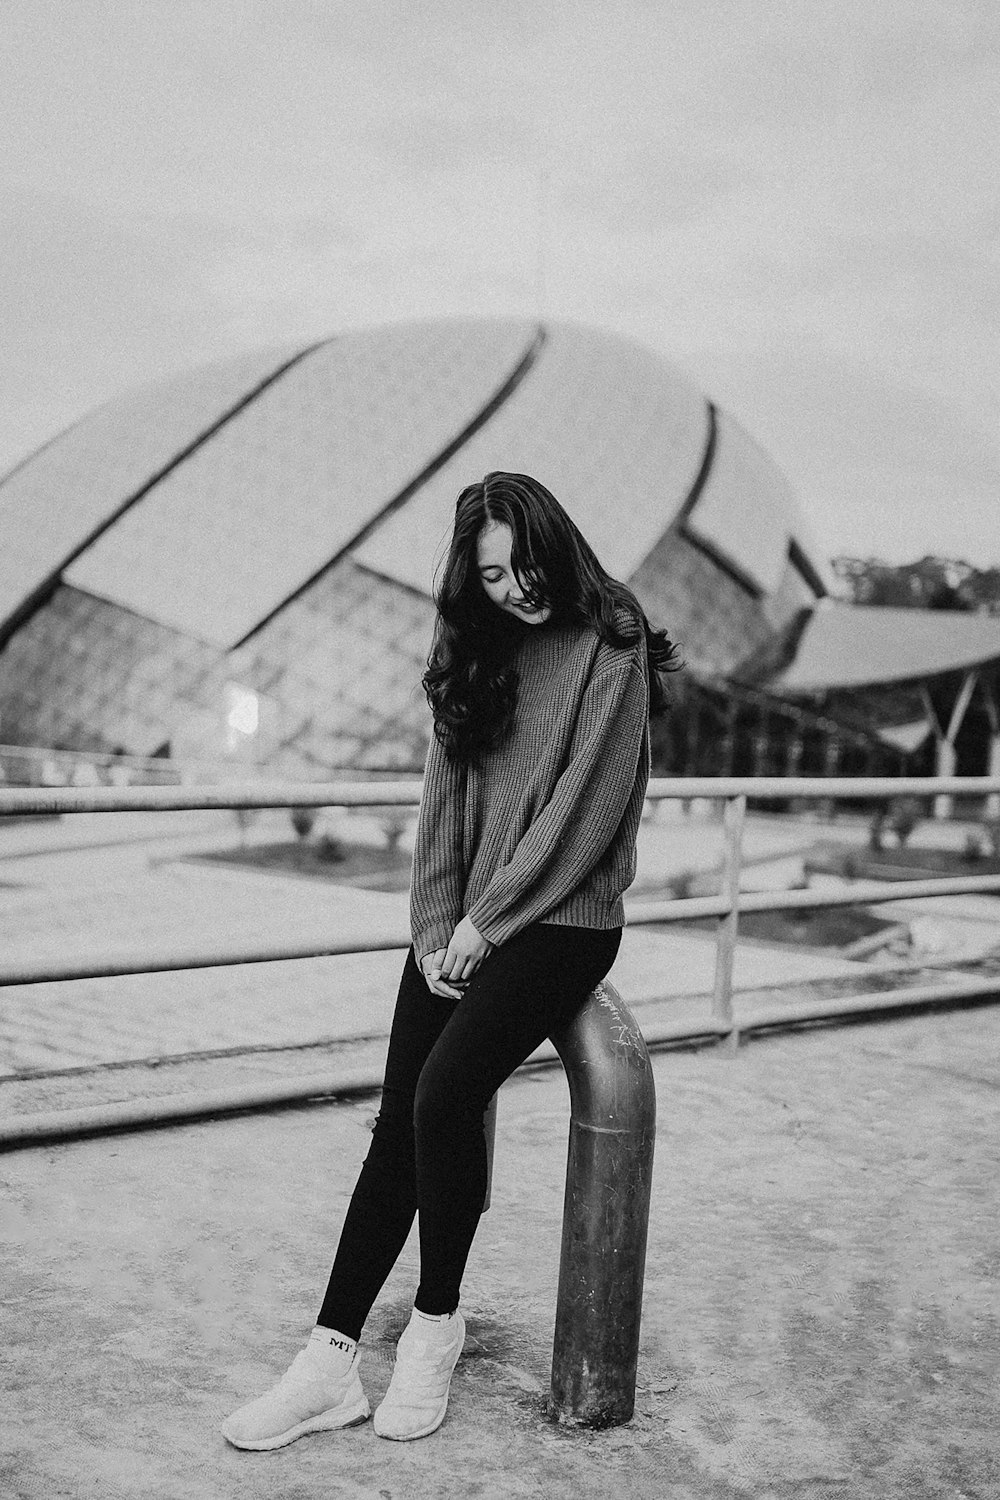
304, 1400
417, 1398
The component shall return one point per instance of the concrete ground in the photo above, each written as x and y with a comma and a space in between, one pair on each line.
821, 1318
821, 1315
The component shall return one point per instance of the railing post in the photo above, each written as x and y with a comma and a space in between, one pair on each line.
605, 1214
725, 943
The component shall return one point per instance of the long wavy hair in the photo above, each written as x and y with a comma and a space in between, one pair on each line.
470, 682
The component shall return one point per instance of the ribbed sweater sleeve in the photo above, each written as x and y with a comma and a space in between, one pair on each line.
437, 885
566, 839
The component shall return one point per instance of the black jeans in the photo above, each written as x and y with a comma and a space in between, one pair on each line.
446, 1060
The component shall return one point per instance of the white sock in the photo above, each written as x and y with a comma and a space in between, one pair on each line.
439, 1319
331, 1352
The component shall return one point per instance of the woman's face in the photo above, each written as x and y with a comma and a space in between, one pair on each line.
498, 578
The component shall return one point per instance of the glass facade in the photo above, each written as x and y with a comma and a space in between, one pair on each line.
337, 678
728, 729
86, 674
715, 620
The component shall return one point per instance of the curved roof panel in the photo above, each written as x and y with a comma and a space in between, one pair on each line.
747, 513
54, 501
615, 433
226, 537
856, 645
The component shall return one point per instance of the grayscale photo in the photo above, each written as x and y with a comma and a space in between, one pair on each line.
499, 750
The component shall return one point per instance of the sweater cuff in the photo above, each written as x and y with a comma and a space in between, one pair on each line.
495, 929
432, 938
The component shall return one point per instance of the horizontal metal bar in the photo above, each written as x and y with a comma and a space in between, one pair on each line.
868, 893
884, 1000
110, 966
638, 914
47, 801
683, 909
820, 787
163, 1109
857, 893
33, 1129
767, 1017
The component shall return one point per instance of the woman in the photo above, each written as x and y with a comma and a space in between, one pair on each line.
541, 678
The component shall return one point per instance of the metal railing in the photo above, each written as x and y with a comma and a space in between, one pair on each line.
40, 766
720, 1022
612, 1129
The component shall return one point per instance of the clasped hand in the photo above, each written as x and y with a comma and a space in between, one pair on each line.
449, 969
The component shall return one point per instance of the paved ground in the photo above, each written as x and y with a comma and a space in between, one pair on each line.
822, 1310
821, 1313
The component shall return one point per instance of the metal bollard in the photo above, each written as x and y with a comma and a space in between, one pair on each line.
605, 1214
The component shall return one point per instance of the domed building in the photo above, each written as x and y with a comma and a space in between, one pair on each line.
238, 562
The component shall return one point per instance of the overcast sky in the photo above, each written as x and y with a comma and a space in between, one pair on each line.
795, 201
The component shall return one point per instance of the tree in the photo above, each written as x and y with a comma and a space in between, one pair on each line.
929, 583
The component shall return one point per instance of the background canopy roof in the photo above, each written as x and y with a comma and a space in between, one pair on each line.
854, 645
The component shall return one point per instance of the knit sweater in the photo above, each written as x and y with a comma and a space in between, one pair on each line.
543, 829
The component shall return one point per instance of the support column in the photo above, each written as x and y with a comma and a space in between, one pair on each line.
944, 765
831, 766
793, 755
946, 759
991, 698
691, 737
993, 769
761, 740
729, 739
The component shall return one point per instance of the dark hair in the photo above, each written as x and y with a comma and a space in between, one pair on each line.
470, 682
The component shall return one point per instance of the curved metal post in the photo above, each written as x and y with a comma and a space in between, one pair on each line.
605, 1215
